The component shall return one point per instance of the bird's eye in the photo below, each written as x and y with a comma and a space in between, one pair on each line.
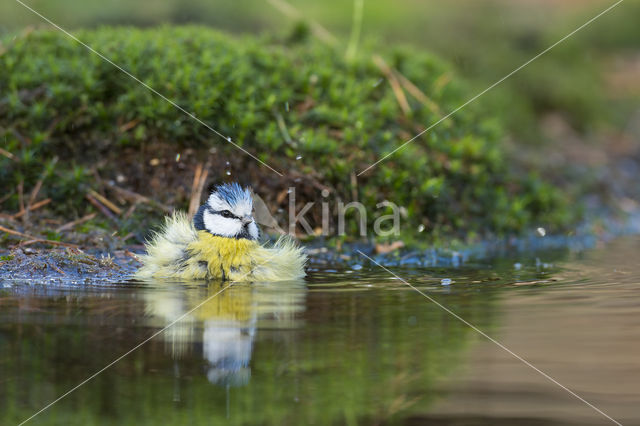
226, 213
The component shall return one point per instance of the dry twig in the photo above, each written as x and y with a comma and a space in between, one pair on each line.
130, 210
111, 206
134, 197
105, 211
7, 154
129, 125
418, 94
32, 239
199, 179
393, 81
133, 256
21, 195
31, 208
53, 265
73, 223
354, 186
318, 30
34, 192
53, 243
194, 187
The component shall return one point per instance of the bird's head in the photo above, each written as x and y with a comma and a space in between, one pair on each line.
228, 213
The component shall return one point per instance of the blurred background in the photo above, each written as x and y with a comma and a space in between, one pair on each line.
484, 39
571, 116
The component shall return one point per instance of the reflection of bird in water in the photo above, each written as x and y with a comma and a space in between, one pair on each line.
168, 305
229, 322
227, 346
221, 243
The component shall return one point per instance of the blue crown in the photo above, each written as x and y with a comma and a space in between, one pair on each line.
233, 193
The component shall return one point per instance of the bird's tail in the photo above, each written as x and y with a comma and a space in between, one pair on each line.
168, 246
284, 261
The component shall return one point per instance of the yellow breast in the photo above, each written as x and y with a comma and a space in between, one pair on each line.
222, 257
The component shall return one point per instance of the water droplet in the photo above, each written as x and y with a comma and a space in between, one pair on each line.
356, 267
228, 173
517, 266
227, 163
229, 138
541, 231
298, 157
445, 281
420, 228
377, 83
177, 157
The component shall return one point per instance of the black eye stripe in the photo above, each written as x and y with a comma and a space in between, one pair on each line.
223, 213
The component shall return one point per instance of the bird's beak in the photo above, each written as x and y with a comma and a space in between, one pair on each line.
247, 220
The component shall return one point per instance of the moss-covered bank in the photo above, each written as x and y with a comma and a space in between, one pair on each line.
71, 117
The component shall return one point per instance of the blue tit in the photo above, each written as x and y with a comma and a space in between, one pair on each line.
221, 243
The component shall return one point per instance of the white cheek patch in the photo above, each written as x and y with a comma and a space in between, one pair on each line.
253, 231
223, 226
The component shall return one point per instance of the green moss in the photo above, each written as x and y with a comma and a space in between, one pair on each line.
279, 100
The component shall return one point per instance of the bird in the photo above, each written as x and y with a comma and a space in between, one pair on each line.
220, 243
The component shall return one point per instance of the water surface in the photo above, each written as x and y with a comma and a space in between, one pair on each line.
342, 347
